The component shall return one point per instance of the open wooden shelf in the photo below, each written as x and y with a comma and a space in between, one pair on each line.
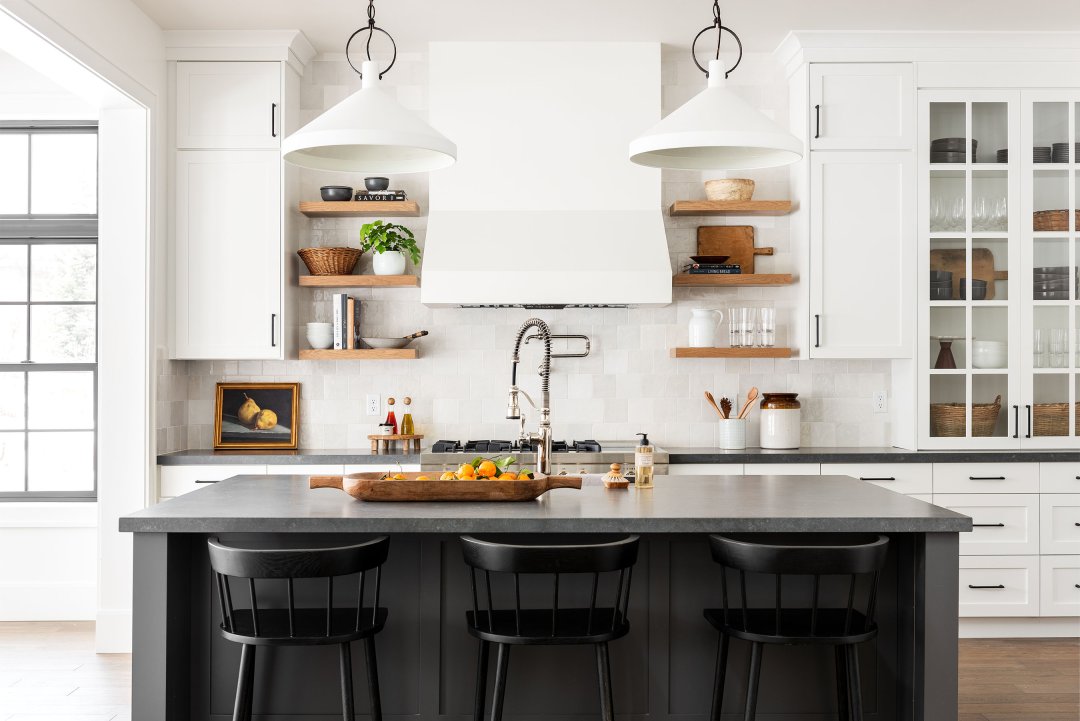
730, 207
360, 281
731, 352
359, 208
361, 354
733, 279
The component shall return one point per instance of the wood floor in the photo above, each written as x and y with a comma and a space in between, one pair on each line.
49, 672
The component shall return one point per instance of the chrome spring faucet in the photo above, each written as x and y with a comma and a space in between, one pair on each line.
513, 411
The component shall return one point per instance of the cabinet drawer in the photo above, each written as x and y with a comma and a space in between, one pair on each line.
782, 469
706, 469
999, 586
234, 105
1059, 585
308, 470
178, 480
908, 478
1059, 477
1004, 522
1060, 522
986, 478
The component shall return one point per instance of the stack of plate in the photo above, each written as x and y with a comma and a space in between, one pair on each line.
951, 150
1060, 152
940, 285
1040, 154
1003, 155
1051, 282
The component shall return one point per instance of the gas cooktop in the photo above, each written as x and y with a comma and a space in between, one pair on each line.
496, 446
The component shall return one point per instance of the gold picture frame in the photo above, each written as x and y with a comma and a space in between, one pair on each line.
257, 416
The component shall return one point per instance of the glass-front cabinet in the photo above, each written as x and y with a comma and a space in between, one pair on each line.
999, 361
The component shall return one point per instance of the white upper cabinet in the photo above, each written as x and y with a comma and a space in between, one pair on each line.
227, 269
862, 106
228, 105
861, 254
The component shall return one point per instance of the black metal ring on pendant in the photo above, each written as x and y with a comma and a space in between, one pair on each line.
370, 29
720, 28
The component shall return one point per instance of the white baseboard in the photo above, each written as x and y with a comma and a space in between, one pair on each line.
1043, 627
113, 634
35, 601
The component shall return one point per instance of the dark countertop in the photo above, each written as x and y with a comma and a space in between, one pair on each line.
208, 457
678, 504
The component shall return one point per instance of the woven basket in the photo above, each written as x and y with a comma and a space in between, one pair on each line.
947, 419
330, 261
1057, 220
1052, 419
729, 189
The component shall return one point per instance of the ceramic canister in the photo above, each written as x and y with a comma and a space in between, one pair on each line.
780, 420
732, 436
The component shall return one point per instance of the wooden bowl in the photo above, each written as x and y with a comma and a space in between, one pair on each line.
729, 189
374, 487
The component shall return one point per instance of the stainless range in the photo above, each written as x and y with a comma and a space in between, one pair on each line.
574, 457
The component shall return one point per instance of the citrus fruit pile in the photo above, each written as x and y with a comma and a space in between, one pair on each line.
479, 469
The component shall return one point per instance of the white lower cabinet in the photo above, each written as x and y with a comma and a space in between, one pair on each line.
907, 478
1059, 477
177, 480
1060, 523
706, 469
1004, 523
924, 497
370, 467
992, 586
308, 470
782, 469
1059, 591
986, 478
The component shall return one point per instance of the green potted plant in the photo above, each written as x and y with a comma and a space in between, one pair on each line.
388, 240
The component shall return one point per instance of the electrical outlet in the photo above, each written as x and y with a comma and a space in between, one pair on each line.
881, 402
373, 405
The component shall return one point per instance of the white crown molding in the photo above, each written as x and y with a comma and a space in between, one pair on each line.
287, 46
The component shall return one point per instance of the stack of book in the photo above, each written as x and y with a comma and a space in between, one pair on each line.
711, 269
346, 322
381, 195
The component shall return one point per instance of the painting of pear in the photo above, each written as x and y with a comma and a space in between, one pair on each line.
265, 420
248, 411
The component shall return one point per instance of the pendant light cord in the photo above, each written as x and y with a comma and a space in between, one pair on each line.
720, 28
371, 29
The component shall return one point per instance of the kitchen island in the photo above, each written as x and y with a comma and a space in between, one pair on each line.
182, 669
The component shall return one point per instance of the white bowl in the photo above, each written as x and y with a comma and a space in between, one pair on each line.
989, 354
320, 336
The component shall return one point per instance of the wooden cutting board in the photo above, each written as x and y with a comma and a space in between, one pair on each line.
372, 487
982, 267
734, 241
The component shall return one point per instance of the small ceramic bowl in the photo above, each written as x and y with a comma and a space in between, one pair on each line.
336, 192
374, 185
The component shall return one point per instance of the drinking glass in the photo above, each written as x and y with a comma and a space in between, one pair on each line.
747, 324
1000, 214
956, 219
937, 215
767, 336
979, 214
1039, 346
1059, 343
734, 330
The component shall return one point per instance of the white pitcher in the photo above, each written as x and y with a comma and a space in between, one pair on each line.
703, 322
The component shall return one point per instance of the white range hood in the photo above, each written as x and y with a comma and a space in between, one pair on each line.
543, 208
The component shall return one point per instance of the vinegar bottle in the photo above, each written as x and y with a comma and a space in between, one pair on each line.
643, 463
391, 419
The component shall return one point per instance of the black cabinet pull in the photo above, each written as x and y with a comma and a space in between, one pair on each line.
1016, 421
883, 478
273, 335
989, 525
1077, 585
978, 587
273, 120
1028, 434
817, 331
206, 481
1077, 524
817, 121
986, 478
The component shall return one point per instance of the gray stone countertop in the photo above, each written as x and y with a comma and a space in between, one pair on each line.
209, 457
678, 504
707, 454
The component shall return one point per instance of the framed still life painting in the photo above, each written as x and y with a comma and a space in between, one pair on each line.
257, 415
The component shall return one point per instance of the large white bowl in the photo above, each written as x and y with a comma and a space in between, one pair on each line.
989, 354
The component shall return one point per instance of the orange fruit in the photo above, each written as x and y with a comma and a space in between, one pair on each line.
466, 472
423, 478
487, 469
524, 476
399, 477
508, 477
448, 476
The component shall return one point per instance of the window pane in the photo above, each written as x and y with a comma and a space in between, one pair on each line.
61, 400
12, 401
12, 270
63, 272
12, 462
61, 461
63, 173
62, 333
12, 333
13, 174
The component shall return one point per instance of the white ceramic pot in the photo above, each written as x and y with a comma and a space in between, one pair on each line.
732, 434
989, 354
320, 336
703, 322
392, 262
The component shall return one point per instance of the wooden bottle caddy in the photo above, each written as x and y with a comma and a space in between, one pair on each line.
381, 443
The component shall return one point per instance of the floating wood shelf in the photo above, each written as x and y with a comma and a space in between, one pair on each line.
359, 208
734, 279
360, 281
361, 354
731, 352
730, 207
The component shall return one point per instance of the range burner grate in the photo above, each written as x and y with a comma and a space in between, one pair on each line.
498, 446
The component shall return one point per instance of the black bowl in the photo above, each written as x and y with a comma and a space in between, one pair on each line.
374, 185
941, 276
941, 293
335, 192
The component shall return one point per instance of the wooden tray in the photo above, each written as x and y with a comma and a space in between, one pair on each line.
371, 487
734, 241
982, 267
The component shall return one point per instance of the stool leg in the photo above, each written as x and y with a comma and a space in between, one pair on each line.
348, 710
603, 670
373, 679
752, 686
502, 663
843, 712
481, 681
244, 682
854, 685
249, 702
721, 673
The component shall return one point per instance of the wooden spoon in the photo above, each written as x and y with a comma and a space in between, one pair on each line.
712, 402
750, 398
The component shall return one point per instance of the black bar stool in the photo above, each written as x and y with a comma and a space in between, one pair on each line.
554, 625
291, 626
855, 558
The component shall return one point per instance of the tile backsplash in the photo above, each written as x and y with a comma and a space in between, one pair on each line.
627, 385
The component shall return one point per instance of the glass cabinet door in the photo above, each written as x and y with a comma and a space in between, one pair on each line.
1051, 281
969, 189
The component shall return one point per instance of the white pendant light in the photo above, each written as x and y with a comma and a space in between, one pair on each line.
716, 129
369, 131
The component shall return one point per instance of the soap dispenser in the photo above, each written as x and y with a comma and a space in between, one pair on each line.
643, 463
